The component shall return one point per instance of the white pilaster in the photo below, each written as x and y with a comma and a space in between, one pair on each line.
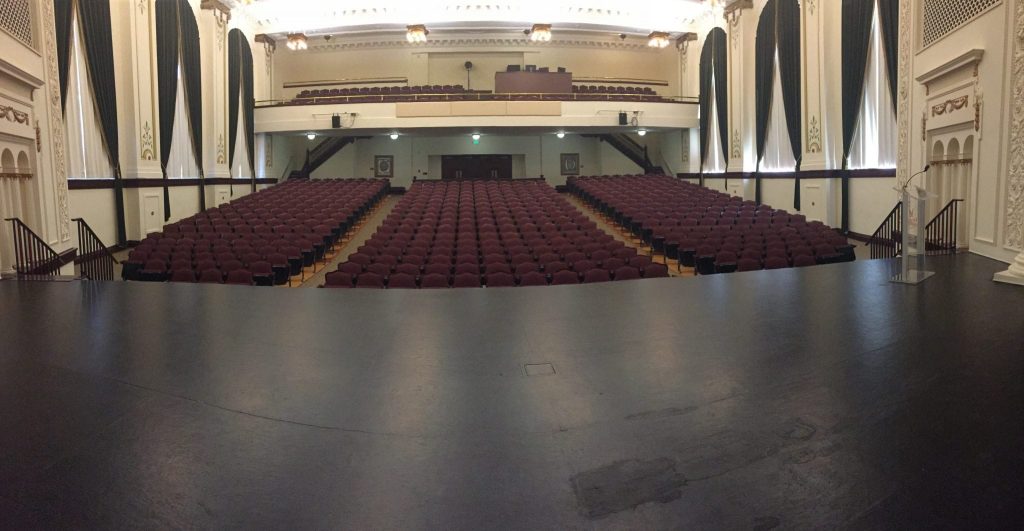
1014, 219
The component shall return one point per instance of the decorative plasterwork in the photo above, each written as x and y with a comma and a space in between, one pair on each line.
222, 25
221, 159
903, 99
813, 135
1015, 186
60, 173
970, 58
13, 115
146, 142
478, 42
950, 105
15, 175
736, 145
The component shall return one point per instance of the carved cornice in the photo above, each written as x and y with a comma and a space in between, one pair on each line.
949, 106
478, 42
734, 7
220, 10
18, 176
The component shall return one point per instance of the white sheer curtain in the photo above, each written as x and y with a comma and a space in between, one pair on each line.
181, 163
240, 166
778, 151
874, 141
715, 162
87, 156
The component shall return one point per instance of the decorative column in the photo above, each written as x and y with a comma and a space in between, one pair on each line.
741, 30
135, 70
53, 191
213, 30
686, 86
812, 43
1014, 218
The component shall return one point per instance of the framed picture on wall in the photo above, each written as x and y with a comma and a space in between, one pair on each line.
570, 163
384, 166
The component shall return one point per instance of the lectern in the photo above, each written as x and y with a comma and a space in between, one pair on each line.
915, 242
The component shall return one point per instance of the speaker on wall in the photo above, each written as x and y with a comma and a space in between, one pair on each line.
623, 119
336, 121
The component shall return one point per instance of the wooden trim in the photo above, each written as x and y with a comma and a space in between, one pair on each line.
102, 184
863, 238
620, 81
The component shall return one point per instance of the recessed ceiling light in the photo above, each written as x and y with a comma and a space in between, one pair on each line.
658, 39
416, 33
641, 132
297, 41
394, 136
540, 33
476, 136
560, 134
311, 136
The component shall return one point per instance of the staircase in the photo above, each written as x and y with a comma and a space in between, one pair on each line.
940, 233
94, 261
323, 152
33, 257
632, 150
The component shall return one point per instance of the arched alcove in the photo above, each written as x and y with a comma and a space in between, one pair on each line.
7, 164
24, 166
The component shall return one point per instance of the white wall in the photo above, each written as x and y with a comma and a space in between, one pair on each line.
96, 207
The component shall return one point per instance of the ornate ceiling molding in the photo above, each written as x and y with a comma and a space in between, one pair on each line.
341, 44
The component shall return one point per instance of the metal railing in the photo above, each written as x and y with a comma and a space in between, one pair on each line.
95, 261
886, 241
32, 255
941, 231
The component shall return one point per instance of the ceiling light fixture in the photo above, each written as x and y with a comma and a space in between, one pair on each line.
641, 132
658, 39
560, 134
297, 41
476, 136
394, 136
311, 136
541, 33
416, 33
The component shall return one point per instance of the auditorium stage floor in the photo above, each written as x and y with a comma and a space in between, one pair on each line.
823, 397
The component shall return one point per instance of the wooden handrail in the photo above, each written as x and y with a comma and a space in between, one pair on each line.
33, 256
95, 261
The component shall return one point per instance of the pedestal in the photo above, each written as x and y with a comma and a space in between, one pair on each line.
1013, 275
915, 242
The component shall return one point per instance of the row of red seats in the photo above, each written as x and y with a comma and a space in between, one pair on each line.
709, 230
483, 229
262, 238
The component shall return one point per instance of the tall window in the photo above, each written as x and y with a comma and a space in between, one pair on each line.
181, 164
240, 165
874, 141
778, 151
715, 162
87, 158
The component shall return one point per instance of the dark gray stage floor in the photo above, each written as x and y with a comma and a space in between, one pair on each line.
823, 397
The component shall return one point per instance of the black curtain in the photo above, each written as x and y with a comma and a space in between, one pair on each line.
191, 68
889, 13
764, 74
234, 74
249, 104
856, 24
62, 15
706, 69
167, 82
787, 25
721, 67
94, 18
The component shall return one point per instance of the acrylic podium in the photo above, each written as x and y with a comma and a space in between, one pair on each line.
914, 256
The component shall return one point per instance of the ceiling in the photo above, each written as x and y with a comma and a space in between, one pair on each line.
331, 17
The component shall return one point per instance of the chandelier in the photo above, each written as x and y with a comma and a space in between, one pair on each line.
416, 33
541, 33
297, 41
658, 39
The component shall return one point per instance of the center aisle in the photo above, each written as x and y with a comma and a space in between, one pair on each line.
359, 237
